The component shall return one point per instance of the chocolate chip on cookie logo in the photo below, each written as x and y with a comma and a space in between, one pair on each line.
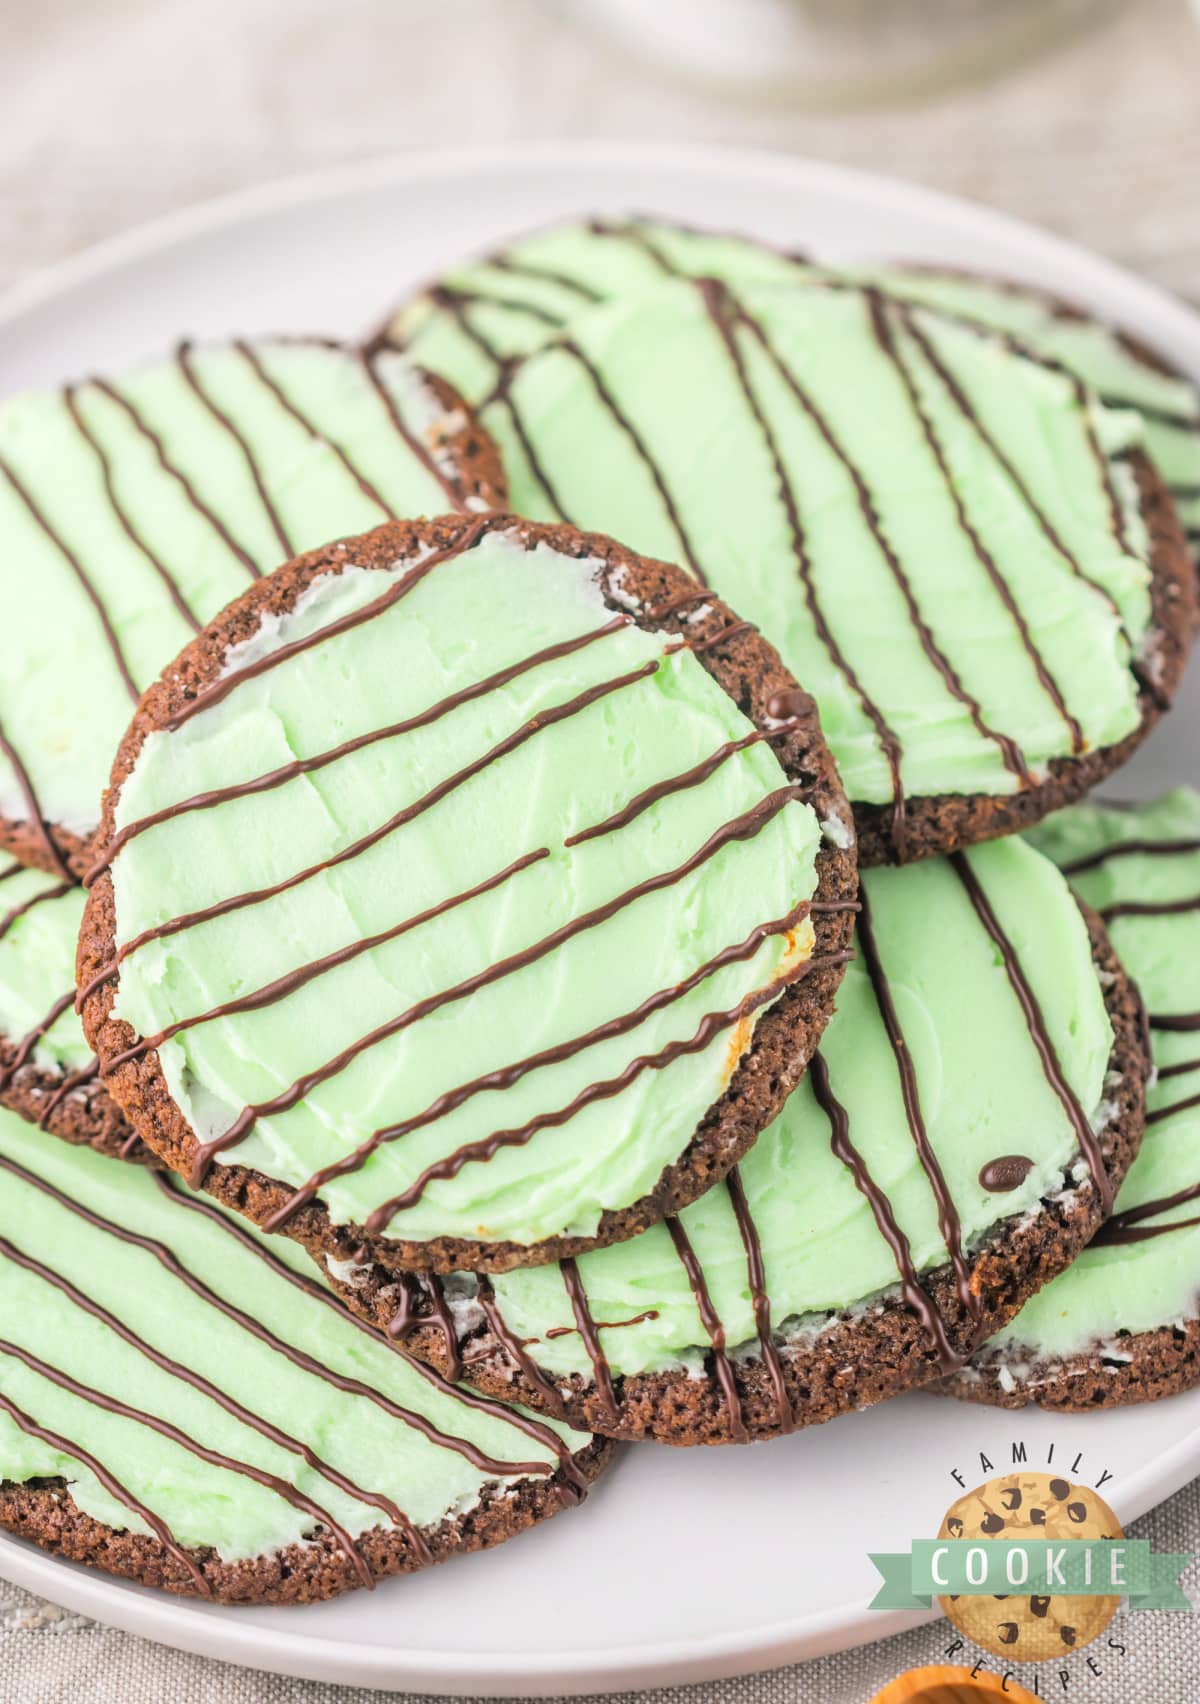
1033, 1621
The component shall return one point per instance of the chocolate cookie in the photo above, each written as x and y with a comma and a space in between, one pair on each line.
484, 313
968, 559
152, 1427
470, 893
1031, 1627
1123, 1325
883, 1225
47, 1071
131, 511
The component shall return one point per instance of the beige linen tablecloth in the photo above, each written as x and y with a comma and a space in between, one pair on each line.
116, 110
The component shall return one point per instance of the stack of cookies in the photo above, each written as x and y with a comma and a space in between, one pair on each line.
546, 901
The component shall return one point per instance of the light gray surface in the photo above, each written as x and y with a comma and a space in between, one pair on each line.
116, 111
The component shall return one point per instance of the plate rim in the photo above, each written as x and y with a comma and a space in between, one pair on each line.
1165, 321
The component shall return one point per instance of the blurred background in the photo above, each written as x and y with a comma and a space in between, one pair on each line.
1078, 114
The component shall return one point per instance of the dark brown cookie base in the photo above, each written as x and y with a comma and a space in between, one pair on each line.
464, 454
953, 821
783, 1041
1161, 1363
85, 1115
861, 1356
45, 1514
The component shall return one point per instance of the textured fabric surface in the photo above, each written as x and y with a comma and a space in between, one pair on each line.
118, 110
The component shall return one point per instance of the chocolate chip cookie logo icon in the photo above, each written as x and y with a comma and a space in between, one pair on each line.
1031, 1620
1030, 1567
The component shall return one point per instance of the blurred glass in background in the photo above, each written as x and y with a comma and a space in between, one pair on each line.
825, 53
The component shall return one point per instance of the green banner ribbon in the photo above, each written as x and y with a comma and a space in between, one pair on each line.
1072, 1567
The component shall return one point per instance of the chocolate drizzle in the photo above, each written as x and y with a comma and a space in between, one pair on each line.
254, 361
1005, 1173
509, 1075
67, 1447
190, 376
532, 1428
177, 474
15, 912
947, 1213
586, 1327
604, 392
486, 1148
1039, 1034
760, 1300
34, 812
417, 448
308, 765
216, 1458
1130, 1226
726, 315
230, 1404
267, 1429
397, 589
710, 1319
38, 515
28, 1042
70, 398
913, 1291
1129, 849
1003, 590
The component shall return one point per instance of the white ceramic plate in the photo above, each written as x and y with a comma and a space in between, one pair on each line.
684, 1565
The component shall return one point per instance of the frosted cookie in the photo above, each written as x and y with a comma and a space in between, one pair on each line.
471, 892
132, 510
965, 556
482, 314
884, 1223
154, 1428
1123, 1325
48, 1073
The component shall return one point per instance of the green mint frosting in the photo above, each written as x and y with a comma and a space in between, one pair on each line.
39, 926
487, 312
201, 1503
264, 485
1136, 1286
875, 534
982, 1092
481, 612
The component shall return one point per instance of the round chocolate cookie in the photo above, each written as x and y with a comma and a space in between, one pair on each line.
47, 1071
1123, 1325
470, 893
1030, 1628
132, 510
152, 1427
883, 1225
485, 313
